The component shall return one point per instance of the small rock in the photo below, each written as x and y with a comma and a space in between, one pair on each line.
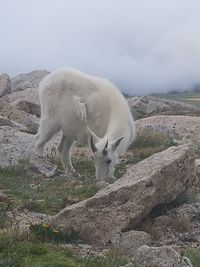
42, 166
14, 146
188, 237
24, 218
129, 241
164, 256
27, 106
32, 124
192, 210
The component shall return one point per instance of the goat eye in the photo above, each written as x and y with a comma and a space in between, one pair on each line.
108, 161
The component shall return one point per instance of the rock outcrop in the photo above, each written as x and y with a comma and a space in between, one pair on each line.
9, 111
146, 106
5, 84
120, 206
23, 91
28, 95
31, 122
32, 79
174, 126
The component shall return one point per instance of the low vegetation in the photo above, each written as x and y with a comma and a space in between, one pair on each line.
193, 255
41, 194
45, 232
17, 252
180, 222
147, 144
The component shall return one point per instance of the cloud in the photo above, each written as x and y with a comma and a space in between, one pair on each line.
143, 46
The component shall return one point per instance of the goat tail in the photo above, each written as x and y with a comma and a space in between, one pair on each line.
80, 108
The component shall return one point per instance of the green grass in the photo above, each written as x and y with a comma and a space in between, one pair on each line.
81, 165
44, 195
48, 195
147, 144
18, 253
193, 255
152, 139
84, 167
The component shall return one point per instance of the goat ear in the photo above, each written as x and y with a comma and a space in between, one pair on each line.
116, 143
94, 136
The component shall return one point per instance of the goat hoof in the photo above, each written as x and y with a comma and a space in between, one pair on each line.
38, 150
83, 178
102, 184
77, 175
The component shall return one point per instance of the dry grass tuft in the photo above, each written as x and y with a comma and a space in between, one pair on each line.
180, 222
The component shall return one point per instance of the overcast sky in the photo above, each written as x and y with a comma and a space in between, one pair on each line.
143, 46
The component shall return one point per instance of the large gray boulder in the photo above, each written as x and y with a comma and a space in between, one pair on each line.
5, 84
24, 91
156, 180
146, 106
12, 113
15, 145
31, 122
29, 95
177, 127
164, 256
28, 80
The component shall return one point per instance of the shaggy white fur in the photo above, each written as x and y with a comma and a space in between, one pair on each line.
87, 109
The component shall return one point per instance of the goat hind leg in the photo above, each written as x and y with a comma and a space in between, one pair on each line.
64, 150
46, 131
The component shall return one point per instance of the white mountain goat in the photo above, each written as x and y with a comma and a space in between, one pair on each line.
88, 110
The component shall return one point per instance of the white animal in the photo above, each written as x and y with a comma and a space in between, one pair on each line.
88, 110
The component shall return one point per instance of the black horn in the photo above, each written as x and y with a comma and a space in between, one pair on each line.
105, 151
94, 149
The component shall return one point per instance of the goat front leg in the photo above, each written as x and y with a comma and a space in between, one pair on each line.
64, 150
